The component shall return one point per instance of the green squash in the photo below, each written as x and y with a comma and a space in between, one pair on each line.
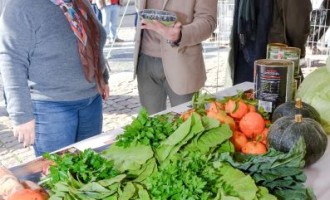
290, 108
286, 131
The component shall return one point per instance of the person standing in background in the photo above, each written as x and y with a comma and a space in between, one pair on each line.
320, 22
249, 37
259, 22
2, 5
53, 71
136, 14
110, 18
96, 10
291, 24
169, 61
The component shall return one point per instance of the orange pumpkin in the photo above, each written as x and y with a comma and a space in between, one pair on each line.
251, 124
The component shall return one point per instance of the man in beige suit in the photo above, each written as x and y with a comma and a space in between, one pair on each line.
168, 60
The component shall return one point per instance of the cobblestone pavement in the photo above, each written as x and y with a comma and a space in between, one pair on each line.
123, 103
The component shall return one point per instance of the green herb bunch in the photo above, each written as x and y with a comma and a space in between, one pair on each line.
194, 176
148, 130
180, 179
87, 166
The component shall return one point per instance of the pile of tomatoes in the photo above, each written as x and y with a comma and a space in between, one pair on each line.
249, 127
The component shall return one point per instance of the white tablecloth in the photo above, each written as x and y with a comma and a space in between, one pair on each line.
318, 176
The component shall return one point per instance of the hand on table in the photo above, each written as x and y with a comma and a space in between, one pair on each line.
169, 33
25, 133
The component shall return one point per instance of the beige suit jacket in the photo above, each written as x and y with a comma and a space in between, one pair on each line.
184, 65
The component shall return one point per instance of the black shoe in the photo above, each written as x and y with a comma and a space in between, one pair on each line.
119, 40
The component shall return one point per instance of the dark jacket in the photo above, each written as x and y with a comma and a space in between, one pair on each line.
291, 23
276, 21
249, 37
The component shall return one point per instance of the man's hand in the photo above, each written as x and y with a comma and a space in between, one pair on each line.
169, 33
25, 133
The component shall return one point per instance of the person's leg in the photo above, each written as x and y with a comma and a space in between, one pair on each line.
4, 98
94, 8
114, 20
136, 15
105, 11
244, 64
297, 14
56, 125
176, 99
150, 79
97, 12
90, 118
323, 21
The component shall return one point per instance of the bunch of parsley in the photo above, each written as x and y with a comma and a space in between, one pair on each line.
191, 175
148, 130
84, 167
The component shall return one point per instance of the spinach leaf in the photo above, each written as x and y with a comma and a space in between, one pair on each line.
282, 173
129, 159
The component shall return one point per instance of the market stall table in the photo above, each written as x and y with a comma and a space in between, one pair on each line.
317, 174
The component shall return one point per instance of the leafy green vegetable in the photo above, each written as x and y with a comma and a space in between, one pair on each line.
86, 166
172, 144
148, 130
227, 146
178, 180
128, 192
142, 192
263, 194
111, 181
200, 100
75, 175
315, 90
282, 173
210, 139
160, 158
148, 169
244, 185
194, 176
129, 159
